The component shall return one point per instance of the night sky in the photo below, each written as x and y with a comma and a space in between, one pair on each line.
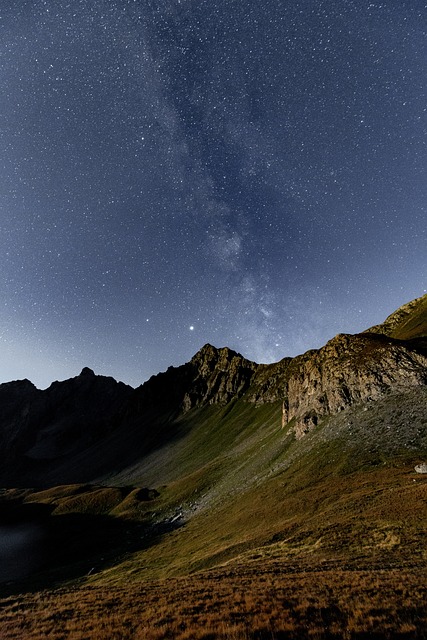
175, 172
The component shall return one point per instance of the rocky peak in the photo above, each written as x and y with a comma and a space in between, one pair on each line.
39, 427
86, 372
218, 376
18, 387
210, 357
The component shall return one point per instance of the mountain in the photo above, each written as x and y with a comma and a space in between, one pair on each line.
80, 429
224, 472
53, 429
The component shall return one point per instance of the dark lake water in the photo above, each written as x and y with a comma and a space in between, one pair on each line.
22, 550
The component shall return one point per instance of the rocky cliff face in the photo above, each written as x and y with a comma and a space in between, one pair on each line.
347, 370
213, 376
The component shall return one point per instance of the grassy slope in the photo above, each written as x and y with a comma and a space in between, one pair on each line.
407, 322
350, 485
309, 538
237, 483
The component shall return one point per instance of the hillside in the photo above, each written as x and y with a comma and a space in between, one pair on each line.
409, 321
283, 494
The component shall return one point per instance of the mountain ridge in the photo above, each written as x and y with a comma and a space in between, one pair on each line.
96, 419
408, 321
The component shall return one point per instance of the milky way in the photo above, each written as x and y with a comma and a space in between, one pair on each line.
176, 172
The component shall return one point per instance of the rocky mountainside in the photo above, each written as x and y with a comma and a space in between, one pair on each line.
347, 370
81, 428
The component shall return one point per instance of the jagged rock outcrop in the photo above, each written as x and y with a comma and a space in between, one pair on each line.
213, 376
347, 370
219, 375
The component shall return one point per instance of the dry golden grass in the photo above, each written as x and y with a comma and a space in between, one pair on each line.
272, 599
